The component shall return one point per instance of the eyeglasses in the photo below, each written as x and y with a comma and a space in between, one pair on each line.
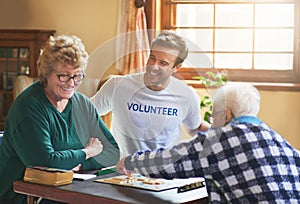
65, 78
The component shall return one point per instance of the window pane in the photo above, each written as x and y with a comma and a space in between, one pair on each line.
198, 60
197, 40
233, 61
234, 15
274, 40
233, 40
242, 35
270, 15
273, 61
194, 15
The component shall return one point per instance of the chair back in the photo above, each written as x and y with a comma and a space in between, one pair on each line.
21, 83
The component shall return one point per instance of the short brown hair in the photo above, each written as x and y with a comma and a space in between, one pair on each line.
173, 41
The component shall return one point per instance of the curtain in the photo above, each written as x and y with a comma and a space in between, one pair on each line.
132, 43
132, 40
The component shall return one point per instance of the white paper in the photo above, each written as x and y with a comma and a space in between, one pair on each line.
83, 176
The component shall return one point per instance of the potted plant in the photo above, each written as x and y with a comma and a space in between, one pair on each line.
212, 80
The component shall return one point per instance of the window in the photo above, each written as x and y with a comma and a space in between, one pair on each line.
252, 40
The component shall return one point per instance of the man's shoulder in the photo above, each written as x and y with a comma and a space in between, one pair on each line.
181, 85
134, 76
129, 80
179, 82
128, 77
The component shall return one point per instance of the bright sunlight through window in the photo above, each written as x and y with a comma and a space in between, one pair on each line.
238, 35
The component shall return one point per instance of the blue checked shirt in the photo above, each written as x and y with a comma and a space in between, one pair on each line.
243, 162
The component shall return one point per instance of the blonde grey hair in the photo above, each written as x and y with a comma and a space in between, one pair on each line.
62, 49
241, 98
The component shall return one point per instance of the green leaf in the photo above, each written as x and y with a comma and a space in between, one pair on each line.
207, 116
213, 79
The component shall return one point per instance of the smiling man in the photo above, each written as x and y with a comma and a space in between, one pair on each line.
148, 108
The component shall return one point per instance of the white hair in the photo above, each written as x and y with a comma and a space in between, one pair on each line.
241, 98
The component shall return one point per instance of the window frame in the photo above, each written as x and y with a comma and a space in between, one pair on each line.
158, 13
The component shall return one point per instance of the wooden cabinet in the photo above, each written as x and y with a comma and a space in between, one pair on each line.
19, 51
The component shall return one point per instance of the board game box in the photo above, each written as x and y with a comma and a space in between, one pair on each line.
48, 176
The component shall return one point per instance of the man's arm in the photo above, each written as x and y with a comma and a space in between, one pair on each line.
102, 100
203, 127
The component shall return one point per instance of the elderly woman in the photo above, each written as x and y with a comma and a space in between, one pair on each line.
50, 124
242, 159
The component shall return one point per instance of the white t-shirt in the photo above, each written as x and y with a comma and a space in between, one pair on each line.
143, 119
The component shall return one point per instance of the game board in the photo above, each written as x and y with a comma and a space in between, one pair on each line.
152, 184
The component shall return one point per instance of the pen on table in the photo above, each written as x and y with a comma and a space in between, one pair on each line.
106, 170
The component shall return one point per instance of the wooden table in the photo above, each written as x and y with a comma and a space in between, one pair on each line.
93, 192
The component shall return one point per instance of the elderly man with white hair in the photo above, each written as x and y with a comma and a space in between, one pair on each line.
242, 159
233, 101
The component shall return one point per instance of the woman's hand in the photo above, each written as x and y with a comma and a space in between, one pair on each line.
77, 168
93, 147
